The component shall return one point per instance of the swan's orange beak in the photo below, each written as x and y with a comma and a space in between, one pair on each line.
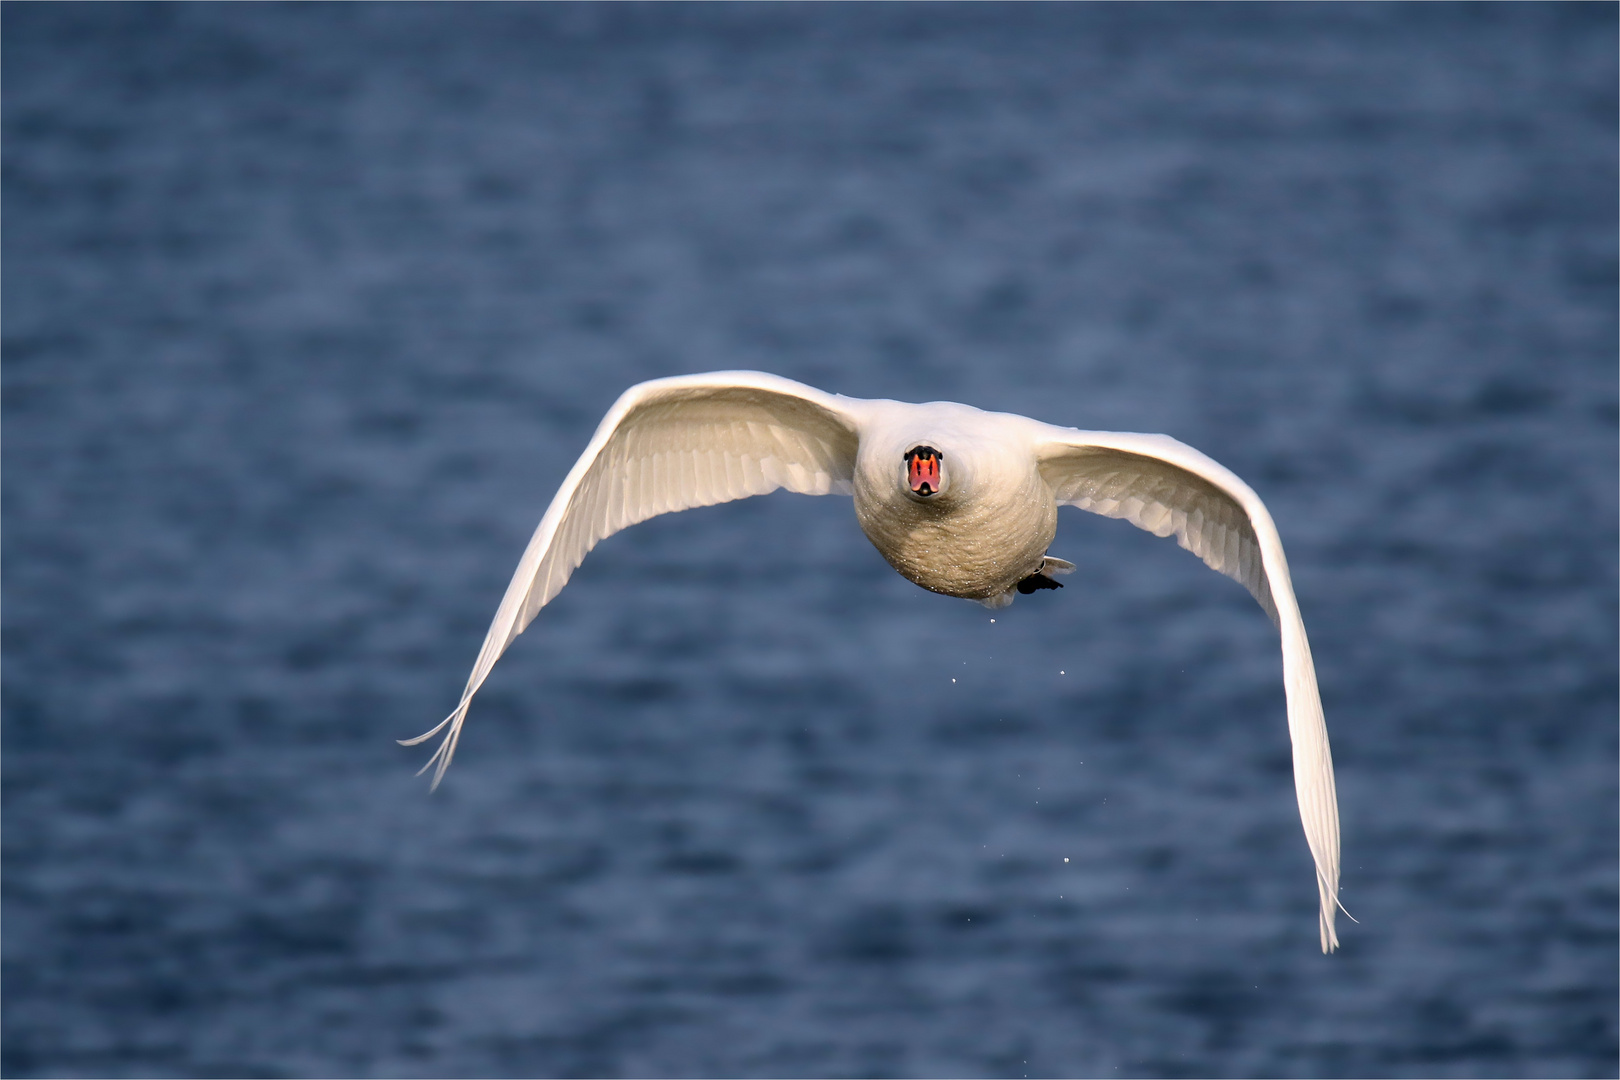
923, 470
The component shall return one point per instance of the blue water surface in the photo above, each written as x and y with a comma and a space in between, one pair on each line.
309, 308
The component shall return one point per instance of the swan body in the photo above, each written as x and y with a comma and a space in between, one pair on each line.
960, 501
984, 531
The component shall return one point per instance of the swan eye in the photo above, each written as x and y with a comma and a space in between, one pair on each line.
922, 470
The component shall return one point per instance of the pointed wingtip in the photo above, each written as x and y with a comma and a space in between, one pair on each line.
1328, 895
440, 761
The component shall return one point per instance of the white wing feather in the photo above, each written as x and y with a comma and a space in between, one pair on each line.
1168, 488
667, 445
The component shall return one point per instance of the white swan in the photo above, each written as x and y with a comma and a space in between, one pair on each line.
960, 501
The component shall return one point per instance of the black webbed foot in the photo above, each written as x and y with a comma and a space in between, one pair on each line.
1036, 582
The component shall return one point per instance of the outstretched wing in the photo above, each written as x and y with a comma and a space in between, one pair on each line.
667, 445
1168, 488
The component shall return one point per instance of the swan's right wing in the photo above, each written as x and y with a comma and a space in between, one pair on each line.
1169, 489
667, 445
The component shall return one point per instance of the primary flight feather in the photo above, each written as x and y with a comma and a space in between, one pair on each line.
960, 501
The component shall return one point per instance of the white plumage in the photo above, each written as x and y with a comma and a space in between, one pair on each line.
976, 527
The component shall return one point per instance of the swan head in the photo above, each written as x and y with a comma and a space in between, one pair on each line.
925, 471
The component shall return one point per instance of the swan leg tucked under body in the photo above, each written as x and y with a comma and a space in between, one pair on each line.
960, 501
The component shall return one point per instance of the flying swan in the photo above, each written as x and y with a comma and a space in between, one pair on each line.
960, 501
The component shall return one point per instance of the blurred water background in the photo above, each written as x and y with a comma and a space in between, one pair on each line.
309, 308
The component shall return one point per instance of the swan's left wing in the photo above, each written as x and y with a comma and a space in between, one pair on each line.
668, 445
1170, 489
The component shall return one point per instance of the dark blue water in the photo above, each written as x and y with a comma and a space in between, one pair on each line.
308, 310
